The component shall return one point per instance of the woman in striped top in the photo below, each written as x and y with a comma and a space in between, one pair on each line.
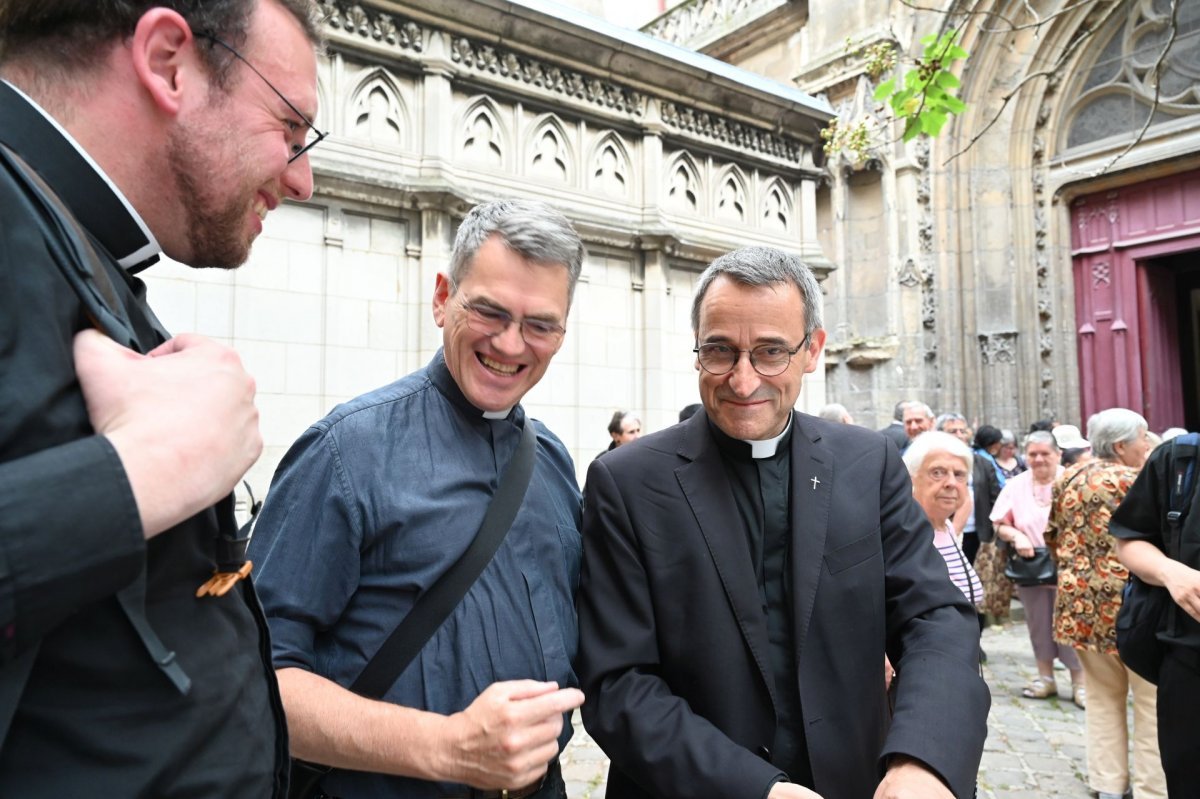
939, 464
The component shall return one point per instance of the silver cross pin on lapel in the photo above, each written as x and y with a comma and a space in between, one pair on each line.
815, 483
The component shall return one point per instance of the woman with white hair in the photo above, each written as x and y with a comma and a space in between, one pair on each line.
1090, 582
1020, 516
939, 465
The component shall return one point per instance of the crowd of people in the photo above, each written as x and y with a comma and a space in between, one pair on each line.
1037, 522
754, 602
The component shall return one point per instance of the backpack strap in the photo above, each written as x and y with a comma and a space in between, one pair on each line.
1182, 476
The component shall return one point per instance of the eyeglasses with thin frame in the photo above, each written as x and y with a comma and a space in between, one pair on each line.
768, 360
298, 149
492, 321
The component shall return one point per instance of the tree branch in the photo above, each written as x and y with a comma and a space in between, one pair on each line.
1062, 58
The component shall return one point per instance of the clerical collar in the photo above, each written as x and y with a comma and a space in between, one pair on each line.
439, 375
79, 181
751, 450
767, 448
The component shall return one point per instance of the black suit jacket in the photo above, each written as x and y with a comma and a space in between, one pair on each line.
985, 488
895, 433
673, 638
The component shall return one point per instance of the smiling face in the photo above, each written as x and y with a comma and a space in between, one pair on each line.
940, 486
1043, 460
495, 372
916, 422
229, 158
743, 403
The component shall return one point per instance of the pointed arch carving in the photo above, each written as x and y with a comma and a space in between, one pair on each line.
729, 197
550, 155
776, 207
483, 137
609, 170
377, 111
682, 191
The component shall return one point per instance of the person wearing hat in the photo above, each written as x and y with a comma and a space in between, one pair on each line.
1075, 448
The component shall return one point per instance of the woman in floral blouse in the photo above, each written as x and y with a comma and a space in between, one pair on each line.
1090, 581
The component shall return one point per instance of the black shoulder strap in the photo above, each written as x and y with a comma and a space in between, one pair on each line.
1183, 474
432, 607
72, 251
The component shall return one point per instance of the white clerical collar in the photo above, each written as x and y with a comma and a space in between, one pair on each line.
767, 448
152, 247
498, 414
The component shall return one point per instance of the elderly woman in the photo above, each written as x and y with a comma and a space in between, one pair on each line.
939, 465
1090, 581
1020, 516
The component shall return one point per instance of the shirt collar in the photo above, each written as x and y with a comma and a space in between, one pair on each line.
77, 179
743, 449
439, 375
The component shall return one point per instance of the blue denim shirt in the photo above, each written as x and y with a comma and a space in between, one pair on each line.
371, 506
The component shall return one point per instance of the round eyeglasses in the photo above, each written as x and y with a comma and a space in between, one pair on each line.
767, 359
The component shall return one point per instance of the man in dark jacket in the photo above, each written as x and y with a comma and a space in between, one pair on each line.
128, 129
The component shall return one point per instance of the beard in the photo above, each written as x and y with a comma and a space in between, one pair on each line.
216, 224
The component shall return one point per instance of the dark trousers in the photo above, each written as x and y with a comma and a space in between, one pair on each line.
1178, 710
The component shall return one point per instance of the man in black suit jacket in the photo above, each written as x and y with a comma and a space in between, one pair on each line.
745, 572
895, 428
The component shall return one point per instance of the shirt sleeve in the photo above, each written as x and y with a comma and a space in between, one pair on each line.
1141, 514
305, 548
1002, 511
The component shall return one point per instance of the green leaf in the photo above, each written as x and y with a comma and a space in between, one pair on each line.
957, 53
932, 122
955, 105
947, 80
912, 129
885, 89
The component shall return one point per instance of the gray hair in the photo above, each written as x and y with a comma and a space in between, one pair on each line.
1041, 437
917, 405
933, 441
1007, 437
1114, 426
530, 228
834, 412
940, 424
762, 266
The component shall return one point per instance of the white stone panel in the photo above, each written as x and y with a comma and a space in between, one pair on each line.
278, 316
350, 372
305, 369
266, 361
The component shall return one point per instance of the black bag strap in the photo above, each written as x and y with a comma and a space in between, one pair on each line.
432, 607
84, 271
1183, 474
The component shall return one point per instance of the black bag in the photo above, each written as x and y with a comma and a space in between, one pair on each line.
1145, 609
1142, 614
432, 607
1026, 572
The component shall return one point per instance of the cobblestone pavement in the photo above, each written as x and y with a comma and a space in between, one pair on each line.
1035, 747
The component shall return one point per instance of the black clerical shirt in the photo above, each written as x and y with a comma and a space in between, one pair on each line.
761, 492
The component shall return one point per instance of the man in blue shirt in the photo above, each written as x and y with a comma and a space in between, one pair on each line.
378, 499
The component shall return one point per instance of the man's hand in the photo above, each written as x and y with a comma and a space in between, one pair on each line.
182, 419
910, 779
790, 790
509, 734
1184, 584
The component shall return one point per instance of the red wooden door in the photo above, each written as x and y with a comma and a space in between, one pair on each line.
1126, 309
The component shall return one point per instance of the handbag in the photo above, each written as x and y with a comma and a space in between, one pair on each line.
432, 607
1146, 609
1036, 570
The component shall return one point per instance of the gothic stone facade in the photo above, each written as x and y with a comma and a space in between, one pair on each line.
963, 274
663, 159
